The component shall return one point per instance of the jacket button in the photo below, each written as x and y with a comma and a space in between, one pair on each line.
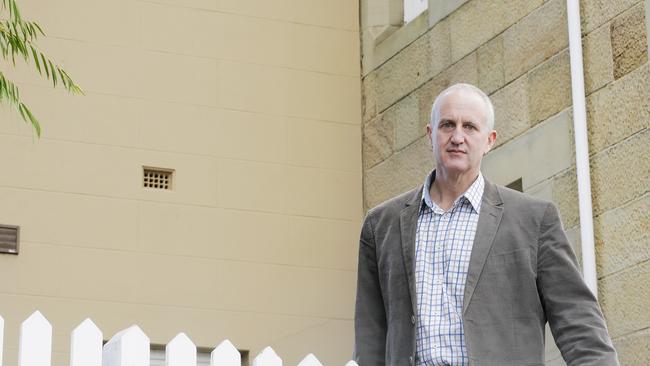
413, 319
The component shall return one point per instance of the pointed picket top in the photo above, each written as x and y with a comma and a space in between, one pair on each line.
180, 351
35, 348
86, 345
225, 354
2, 333
351, 363
310, 360
267, 357
128, 347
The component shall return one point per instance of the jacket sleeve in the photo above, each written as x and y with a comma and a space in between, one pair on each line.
571, 309
370, 314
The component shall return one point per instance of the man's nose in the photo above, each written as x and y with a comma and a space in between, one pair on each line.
457, 137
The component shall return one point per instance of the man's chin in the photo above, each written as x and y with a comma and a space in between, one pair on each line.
456, 169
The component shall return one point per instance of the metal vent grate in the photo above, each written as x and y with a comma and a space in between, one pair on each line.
157, 178
9, 239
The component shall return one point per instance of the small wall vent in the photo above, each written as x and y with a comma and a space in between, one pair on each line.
157, 178
9, 235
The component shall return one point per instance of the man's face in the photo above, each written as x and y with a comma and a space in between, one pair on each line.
461, 136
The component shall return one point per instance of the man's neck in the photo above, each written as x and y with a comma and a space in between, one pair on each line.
446, 188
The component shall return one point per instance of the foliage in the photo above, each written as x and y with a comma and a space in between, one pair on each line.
17, 38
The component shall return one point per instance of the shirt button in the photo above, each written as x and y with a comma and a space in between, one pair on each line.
413, 319
411, 360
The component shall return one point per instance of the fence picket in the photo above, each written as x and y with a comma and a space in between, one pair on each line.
180, 351
129, 347
86, 345
310, 360
225, 355
35, 347
2, 332
267, 357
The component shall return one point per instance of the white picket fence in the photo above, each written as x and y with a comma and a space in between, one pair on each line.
129, 347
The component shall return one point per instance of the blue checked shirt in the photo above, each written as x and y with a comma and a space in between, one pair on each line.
442, 251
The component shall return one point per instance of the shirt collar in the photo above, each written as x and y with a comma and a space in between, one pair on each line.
474, 194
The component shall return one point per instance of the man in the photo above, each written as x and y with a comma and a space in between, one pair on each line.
464, 272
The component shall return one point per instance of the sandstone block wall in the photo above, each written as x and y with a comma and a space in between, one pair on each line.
518, 53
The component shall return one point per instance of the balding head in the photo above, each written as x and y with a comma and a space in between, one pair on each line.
462, 87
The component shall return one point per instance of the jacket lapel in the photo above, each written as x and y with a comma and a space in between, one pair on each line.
408, 221
488, 222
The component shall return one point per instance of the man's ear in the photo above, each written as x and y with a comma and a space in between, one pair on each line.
492, 138
429, 131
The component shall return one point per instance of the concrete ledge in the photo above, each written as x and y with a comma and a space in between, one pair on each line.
534, 156
393, 39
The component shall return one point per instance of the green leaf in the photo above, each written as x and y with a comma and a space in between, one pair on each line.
47, 72
17, 37
36, 62
52, 72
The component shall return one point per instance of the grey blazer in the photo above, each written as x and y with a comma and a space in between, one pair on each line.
522, 273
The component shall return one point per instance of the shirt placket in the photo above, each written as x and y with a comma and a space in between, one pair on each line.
442, 232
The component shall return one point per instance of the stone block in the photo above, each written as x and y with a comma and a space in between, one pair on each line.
386, 44
511, 110
619, 110
573, 234
633, 348
595, 13
378, 141
597, 56
549, 88
399, 173
622, 236
407, 125
564, 190
439, 42
629, 40
426, 95
625, 299
463, 71
620, 173
535, 38
440, 9
541, 152
490, 65
413, 66
476, 22
369, 97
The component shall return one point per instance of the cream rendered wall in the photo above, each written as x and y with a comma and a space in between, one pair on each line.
256, 105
